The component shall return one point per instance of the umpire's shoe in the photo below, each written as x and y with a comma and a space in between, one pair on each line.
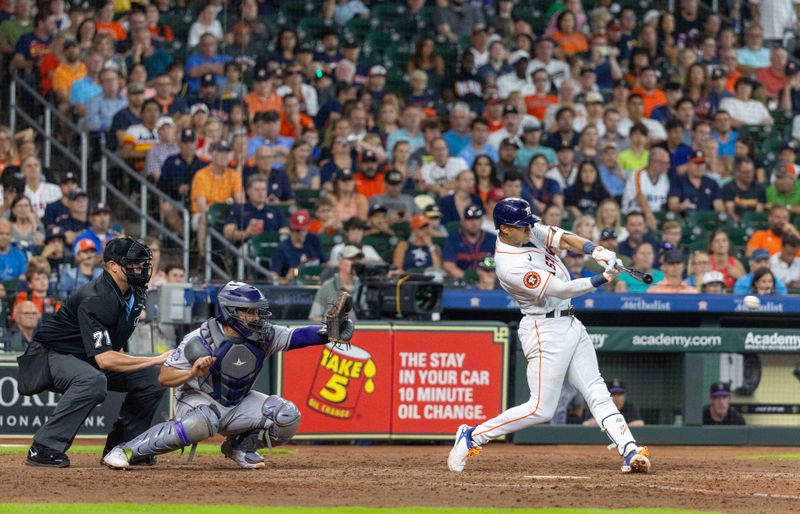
39, 455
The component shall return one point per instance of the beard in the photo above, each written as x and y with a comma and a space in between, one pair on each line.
776, 229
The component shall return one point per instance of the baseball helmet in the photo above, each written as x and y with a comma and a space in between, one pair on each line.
515, 212
236, 296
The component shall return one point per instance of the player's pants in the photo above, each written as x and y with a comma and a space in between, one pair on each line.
83, 387
555, 348
238, 419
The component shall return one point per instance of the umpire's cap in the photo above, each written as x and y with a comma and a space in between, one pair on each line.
515, 212
126, 249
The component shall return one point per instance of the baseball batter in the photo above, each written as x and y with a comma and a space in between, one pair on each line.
555, 343
213, 371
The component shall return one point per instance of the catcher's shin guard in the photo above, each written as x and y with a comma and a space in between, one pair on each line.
200, 423
281, 420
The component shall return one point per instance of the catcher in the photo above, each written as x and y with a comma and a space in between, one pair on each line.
213, 371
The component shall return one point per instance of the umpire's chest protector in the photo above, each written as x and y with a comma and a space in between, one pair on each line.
236, 368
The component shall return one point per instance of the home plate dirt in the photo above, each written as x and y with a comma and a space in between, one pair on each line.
503, 475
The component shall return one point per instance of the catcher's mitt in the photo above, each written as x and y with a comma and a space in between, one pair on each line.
338, 325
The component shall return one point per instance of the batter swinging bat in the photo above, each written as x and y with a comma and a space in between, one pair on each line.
639, 275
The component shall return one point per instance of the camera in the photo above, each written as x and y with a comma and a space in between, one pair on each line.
410, 296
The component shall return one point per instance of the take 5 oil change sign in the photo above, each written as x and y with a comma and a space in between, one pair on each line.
404, 381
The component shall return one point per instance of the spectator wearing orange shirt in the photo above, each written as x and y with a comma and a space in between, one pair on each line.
773, 78
105, 23
369, 181
770, 239
216, 183
537, 103
652, 96
68, 71
263, 98
37, 275
293, 122
570, 41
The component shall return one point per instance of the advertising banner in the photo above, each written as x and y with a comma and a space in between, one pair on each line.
392, 383
709, 340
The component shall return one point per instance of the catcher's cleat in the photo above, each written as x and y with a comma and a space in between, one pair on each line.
117, 458
147, 460
462, 449
637, 461
245, 460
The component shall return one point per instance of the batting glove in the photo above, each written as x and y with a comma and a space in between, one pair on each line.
605, 258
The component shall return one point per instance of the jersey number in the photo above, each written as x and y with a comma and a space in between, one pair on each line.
100, 337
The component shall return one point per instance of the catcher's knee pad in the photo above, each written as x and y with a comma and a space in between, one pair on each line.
198, 424
283, 419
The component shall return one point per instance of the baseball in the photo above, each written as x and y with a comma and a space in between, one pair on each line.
752, 302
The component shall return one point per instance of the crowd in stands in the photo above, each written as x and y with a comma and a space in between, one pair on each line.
318, 133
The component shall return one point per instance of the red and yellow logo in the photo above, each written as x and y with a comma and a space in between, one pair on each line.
341, 375
531, 280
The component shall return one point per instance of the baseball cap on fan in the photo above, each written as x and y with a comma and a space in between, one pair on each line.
300, 220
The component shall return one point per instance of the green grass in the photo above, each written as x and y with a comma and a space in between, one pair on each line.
123, 508
96, 449
772, 456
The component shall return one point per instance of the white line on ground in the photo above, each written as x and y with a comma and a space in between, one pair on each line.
555, 477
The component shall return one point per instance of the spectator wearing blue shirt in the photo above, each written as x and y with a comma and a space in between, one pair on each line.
32, 46
612, 175
531, 139
99, 231
254, 217
479, 143
88, 87
538, 189
694, 191
759, 259
279, 187
679, 153
74, 278
206, 61
497, 64
724, 135
674, 92
345, 11
718, 91
76, 220
300, 249
409, 130
459, 135
466, 249
330, 47
100, 109
267, 134
454, 205
637, 235
69, 183
13, 261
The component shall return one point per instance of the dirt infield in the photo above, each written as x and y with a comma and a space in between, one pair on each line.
703, 478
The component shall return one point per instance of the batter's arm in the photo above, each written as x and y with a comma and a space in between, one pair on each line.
566, 290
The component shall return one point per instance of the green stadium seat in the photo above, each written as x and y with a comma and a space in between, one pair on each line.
402, 229
737, 235
217, 214
470, 276
309, 275
453, 226
753, 221
388, 13
709, 220
263, 246
306, 198
310, 28
381, 243
359, 27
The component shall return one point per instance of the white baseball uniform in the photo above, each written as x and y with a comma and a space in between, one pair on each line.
555, 347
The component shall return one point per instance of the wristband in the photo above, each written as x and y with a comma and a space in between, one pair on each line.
588, 247
598, 280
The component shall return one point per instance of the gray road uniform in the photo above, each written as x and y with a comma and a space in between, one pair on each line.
222, 401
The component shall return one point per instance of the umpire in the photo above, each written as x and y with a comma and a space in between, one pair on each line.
83, 342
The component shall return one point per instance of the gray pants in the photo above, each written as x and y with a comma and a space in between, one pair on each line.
83, 387
241, 418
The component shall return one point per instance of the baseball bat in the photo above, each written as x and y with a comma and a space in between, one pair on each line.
639, 275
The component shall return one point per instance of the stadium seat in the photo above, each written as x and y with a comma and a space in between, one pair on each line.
309, 275
401, 229
737, 235
328, 241
388, 13
470, 276
263, 246
752, 221
218, 214
453, 226
310, 28
306, 198
709, 220
359, 27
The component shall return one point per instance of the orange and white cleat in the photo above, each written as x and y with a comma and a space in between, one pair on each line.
637, 461
462, 449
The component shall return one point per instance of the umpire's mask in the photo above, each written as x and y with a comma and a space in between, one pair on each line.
134, 257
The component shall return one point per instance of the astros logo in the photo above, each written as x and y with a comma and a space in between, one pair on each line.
531, 280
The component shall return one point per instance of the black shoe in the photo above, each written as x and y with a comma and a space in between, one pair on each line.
147, 460
39, 455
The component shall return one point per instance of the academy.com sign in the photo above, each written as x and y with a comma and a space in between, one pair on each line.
681, 341
774, 342
632, 339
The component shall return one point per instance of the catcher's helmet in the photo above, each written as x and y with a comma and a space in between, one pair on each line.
515, 212
238, 295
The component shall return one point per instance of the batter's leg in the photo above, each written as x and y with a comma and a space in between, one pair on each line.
548, 347
584, 373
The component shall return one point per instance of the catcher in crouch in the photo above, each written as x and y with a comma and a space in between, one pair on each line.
213, 371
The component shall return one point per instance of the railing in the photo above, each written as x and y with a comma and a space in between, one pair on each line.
241, 254
145, 189
46, 130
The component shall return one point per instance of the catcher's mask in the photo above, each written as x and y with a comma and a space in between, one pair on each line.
134, 257
235, 297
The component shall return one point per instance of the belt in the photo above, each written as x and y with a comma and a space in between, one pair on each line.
560, 314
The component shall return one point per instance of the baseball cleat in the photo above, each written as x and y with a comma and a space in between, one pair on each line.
637, 461
462, 449
117, 458
245, 460
39, 455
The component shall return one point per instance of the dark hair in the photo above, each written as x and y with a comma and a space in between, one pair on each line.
493, 180
41, 17
11, 217
633, 214
598, 191
683, 100
150, 101
512, 176
672, 124
563, 15
170, 267
757, 274
478, 121
640, 128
